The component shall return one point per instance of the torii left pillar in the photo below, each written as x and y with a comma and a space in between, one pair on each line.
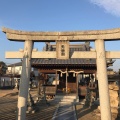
24, 83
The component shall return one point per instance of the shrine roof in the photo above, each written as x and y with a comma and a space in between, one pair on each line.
70, 61
73, 61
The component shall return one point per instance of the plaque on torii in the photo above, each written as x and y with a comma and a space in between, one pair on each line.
62, 40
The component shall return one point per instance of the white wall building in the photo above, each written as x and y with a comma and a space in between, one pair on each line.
14, 69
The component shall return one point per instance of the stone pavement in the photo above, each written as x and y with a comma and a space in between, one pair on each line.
65, 112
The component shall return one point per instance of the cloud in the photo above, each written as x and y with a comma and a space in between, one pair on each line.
110, 6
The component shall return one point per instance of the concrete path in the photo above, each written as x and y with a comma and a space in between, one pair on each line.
65, 112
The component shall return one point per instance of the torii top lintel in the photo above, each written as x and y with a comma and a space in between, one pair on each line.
88, 35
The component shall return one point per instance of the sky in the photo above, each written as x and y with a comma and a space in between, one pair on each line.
57, 15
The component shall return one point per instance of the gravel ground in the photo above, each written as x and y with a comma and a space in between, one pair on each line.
87, 113
8, 105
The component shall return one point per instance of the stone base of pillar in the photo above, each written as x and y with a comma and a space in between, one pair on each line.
31, 110
30, 104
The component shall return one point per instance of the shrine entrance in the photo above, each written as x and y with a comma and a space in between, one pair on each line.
67, 83
62, 52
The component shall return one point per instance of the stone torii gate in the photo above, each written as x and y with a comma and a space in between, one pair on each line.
62, 42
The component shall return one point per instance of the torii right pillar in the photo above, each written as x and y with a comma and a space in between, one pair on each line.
102, 80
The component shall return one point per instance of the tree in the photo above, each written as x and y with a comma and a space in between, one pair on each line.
3, 68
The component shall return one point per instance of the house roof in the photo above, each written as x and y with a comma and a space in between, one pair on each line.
15, 64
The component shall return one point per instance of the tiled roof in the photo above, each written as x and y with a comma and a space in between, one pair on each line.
73, 61
15, 64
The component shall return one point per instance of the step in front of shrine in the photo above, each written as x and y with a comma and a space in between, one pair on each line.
67, 98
